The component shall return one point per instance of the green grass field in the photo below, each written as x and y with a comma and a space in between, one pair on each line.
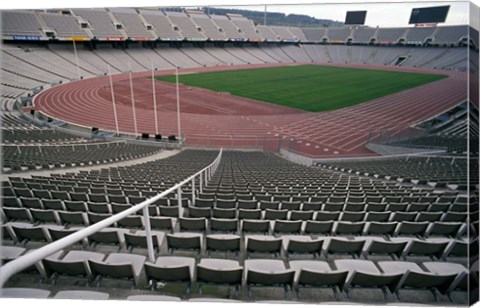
307, 87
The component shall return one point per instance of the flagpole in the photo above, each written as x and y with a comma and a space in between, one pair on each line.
154, 101
178, 105
113, 101
133, 101
76, 57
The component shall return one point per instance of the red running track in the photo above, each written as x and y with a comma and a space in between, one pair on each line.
219, 119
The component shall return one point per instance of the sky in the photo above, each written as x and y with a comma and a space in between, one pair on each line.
388, 13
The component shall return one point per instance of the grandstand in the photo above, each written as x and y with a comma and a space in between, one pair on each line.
118, 185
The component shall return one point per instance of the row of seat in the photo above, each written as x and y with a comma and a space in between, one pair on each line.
322, 215
39, 293
313, 245
36, 135
43, 201
255, 221
62, 200
123, 239
327, 205
64, 294
231, 189
49, 157
420, 229
431, 167
344, 275
324, 183
248, 211
20, 189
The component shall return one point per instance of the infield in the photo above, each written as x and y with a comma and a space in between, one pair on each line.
307, 87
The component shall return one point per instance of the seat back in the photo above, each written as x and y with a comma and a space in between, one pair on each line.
413, 228
314, 246
264, 245
260, 226
53, 204
178, 242
193, 224
382, 228
204, 203
224, 212
249, 214
287, 226
161, 223
132, 221
374, 280
225, 225
426, 280
226, 203
56, 234
301, 215
108, 237
349, 227
71, 217
29, 233
270, 279
232, 244
76, 268
171, 273
427, 248
318, 227
326, 216
387, 248
221, 276
117, 270
139, 240
312, 278
341, 246
168, 211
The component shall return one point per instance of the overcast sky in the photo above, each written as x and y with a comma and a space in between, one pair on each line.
386, 13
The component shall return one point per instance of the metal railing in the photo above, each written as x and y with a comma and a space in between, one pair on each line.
23, 262
72, 145
405, 136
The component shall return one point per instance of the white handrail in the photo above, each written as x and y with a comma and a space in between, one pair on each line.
77, 144
15, 266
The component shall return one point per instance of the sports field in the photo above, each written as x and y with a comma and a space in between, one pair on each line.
307, 87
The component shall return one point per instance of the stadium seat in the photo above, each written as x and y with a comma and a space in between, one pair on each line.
268, 273
170, 269
118, 265
317, 274
365, 274
219, 272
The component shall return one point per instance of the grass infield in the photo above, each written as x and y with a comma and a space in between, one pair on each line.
307, 87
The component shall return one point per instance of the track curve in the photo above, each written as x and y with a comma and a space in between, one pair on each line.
219, 119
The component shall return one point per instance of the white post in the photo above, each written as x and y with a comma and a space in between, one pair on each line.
113, 101
148, 234
133, 101
265, 16
193, 191
200, 187
154, 101
76, 57
179, 201
178, 105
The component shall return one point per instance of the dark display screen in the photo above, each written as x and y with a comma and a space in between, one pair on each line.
355, 18
429, 15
